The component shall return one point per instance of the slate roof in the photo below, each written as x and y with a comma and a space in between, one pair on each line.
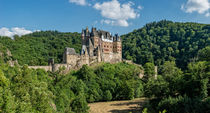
70, 51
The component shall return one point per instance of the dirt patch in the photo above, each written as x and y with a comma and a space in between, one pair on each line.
134, 106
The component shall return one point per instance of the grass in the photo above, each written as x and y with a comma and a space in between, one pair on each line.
127, 106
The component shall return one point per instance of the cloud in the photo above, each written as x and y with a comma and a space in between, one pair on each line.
5, 32
14, 31
79, 2
200, 6
140, 7
122, 23
115, 13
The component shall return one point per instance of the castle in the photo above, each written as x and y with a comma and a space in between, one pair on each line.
97, 46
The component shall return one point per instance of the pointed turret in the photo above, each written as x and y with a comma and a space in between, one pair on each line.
83, 33
87, 32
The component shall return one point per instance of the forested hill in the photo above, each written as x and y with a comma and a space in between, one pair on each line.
156, 42
162, 41
38, 47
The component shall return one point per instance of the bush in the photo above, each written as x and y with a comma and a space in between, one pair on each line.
206, 105
107, 95
79, 104
181, 105
156, 88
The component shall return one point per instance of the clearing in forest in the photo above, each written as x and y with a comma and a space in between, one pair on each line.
133, 106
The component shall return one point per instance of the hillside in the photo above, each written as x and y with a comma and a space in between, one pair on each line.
38, 47
28, 90
5, 54
162, 41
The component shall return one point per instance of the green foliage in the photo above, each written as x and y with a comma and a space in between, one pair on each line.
4, 57
38, 47
79, 104
144, 110
158, 88
149, 70
182, 105
111, 82
162, 41
107, 95
178, 92
197, 80
204, 54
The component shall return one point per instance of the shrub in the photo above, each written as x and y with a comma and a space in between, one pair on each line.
181, 105
107, 95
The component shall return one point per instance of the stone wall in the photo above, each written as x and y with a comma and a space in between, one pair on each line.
72, 59
54, 67
112, 57
46, 68
84, 59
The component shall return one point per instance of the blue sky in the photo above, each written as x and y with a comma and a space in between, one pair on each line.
117, 16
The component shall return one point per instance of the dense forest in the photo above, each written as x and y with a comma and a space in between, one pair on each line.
162, 41
38, 47
181, 51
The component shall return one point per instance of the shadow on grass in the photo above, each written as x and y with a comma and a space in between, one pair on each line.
140, 103
136, 110
132, 109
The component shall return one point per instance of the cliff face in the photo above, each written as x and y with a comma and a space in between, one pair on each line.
6, 56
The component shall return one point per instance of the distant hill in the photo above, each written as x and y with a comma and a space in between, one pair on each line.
38, 47
166, 41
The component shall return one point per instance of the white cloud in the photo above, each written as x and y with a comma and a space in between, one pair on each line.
122, 23
5, 32
20, 31
14, 31
140, 7
78, 2
116, 13
200, 6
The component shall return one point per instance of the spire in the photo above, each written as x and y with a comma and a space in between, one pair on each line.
83, 32
87, 29
87, 32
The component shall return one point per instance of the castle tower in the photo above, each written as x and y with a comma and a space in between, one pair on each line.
117, 47
90, 48
83, 42
99, 54
83, 37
